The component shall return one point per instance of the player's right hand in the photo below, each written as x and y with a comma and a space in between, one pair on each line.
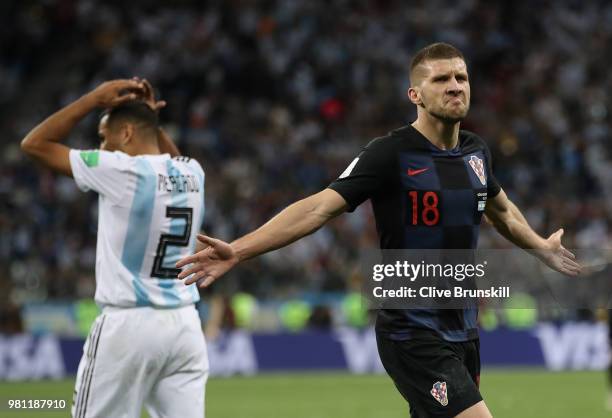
116, 92
209, 264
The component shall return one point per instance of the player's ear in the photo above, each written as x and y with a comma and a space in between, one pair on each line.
127, 133
414, 94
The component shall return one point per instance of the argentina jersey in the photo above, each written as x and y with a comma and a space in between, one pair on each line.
423, 198
151, 207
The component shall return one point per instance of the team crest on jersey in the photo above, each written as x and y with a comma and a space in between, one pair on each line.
438, 391
478, 166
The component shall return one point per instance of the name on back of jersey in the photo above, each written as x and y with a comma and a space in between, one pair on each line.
182, 183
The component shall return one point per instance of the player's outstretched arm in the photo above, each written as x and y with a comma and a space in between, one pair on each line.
294, 222
510, 222
42, 142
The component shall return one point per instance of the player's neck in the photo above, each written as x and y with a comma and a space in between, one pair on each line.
443, 135
144, 149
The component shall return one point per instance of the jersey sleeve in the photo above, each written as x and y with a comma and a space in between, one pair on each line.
493, 187
365, 176
104, 172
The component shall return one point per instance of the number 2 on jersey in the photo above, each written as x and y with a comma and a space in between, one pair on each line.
176, 240
430, 215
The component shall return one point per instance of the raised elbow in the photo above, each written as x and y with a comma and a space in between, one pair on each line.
27, 145
30, 146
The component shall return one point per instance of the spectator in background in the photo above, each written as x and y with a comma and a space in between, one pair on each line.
250, 82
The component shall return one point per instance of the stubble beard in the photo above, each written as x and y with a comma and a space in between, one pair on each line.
445, 116
448, 119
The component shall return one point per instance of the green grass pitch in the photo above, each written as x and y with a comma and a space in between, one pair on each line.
523, 393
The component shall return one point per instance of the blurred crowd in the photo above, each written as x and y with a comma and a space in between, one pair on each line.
275, 98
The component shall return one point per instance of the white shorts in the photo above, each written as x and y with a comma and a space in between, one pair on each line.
142, 356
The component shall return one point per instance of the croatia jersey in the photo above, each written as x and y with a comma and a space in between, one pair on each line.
423, 198
151, 208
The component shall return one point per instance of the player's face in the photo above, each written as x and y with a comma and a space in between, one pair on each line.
444, 91
109, 140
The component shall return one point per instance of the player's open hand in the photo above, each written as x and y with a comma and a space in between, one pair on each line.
148, 95
209, 264
116, 92
558, 258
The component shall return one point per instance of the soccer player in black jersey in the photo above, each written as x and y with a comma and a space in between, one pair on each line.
429, 184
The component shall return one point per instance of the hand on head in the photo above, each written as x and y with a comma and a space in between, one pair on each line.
148, 96
117, 92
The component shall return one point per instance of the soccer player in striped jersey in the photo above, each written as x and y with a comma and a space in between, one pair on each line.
147, 346
429, 183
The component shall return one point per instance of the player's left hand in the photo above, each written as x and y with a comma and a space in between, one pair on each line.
148, 95
116, 92
209, 264
558, 258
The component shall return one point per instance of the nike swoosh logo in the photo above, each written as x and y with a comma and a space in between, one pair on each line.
412, 172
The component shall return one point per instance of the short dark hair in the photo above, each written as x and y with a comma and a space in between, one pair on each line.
437, 51
134, 111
